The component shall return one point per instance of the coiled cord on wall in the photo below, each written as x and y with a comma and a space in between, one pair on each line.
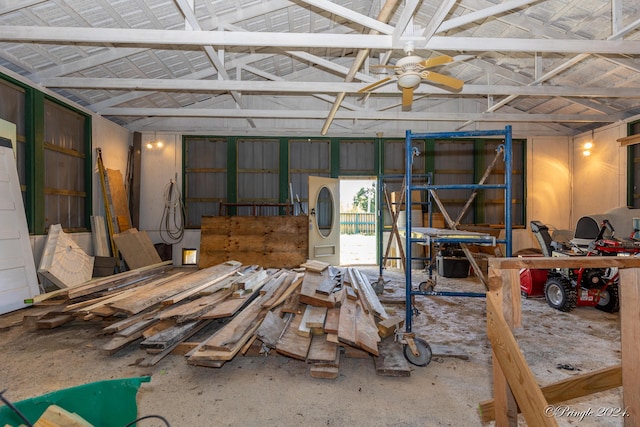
173, 215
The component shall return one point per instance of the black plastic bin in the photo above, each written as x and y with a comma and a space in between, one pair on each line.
454, 267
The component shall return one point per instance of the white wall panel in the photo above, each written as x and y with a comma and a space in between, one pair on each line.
599, 180
549, 181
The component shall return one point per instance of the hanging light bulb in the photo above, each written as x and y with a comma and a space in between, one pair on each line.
588, 146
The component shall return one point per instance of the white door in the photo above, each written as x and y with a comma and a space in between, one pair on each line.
324, 219
18, 279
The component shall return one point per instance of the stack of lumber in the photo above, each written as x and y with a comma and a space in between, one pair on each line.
228, 309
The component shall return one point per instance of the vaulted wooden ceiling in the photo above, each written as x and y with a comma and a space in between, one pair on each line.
549, 67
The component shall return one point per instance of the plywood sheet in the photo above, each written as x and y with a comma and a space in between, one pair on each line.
136, 248
271, 242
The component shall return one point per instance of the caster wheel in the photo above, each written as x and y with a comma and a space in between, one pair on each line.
428, 286
424, 353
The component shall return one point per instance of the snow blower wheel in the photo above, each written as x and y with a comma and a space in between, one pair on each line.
560, 294
609, 301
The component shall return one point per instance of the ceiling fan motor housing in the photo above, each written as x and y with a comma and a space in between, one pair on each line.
409, 63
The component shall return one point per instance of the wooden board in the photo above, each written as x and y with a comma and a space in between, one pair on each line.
271, 329
332, 321
308, 294
196, 308
117, 280
226, 308
314, 265
391, 361
567, 389
119, 199
166, 340
99, 237
291, 344
518, 373
117, 343
54, 322
228, 337
326, 370
448, 351
367, 294
55, 416
629, 338
272, 242
148, 296
136, 248
387, 327
321, 350
316, 316
347, 324
367, 337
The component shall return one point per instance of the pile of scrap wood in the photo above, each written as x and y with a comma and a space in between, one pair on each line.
308, 313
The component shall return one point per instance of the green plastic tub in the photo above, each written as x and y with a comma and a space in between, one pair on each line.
109, 403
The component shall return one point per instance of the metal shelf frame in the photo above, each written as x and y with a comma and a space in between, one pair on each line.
410, 153
382, 182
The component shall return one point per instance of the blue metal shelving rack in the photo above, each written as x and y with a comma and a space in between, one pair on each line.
410, 154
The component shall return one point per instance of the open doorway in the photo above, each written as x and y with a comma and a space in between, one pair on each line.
358, 223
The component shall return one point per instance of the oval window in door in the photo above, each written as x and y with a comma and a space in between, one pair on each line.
324, 211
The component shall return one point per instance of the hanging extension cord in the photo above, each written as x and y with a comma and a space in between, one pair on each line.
173, 215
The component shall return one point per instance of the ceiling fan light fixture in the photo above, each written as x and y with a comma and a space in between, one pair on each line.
409, 80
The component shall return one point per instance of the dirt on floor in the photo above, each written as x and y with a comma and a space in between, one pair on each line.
276, 390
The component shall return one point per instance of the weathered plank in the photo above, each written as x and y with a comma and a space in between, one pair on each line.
228, 337
387, 327
55, 416
289, 287
390, 361
316, 316
116, 343
321, 350
271, 329
629, 338
226, 308
567, 389
54, 322
332, 321
117, 280
515, 368
315, 265
308, 293
193, 309
367, 337
291, 344
147, 296
347, 323
367, 294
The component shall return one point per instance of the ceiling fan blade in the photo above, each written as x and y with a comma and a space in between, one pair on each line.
438, 60
375, 84
407, 98
448, 81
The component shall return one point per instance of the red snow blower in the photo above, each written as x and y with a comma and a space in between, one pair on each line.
566, 288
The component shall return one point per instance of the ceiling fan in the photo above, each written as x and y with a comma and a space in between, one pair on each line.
411, 70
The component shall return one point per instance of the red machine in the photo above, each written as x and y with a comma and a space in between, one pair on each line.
564, 289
